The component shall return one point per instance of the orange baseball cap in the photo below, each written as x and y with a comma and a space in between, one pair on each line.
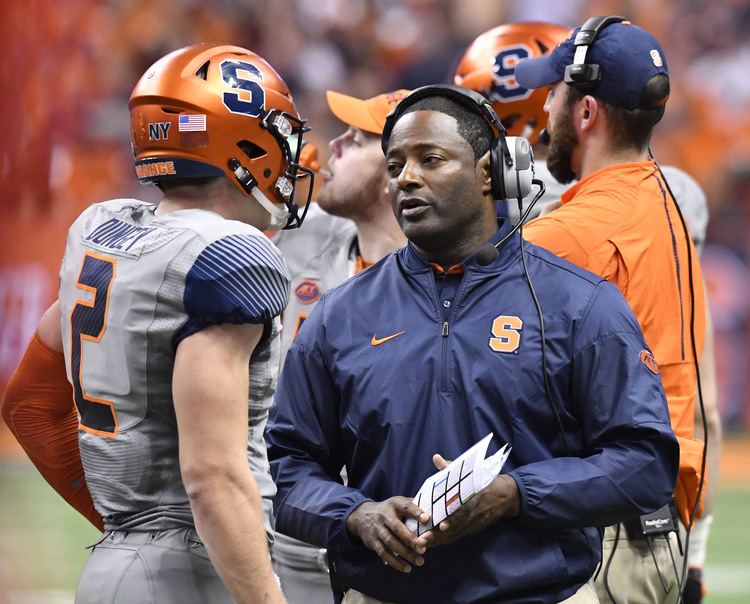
308, 157
368, 115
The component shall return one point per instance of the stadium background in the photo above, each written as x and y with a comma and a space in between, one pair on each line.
68, 69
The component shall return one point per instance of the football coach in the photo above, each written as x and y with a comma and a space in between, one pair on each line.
468, 330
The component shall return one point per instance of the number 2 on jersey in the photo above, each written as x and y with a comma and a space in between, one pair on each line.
88, 321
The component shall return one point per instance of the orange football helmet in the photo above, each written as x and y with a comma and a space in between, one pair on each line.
207, 110
488, 67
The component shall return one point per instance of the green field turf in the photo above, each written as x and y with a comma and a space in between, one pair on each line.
728, 559
42, 542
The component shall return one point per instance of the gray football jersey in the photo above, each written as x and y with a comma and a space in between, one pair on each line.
692, 201
132, 286
320, 256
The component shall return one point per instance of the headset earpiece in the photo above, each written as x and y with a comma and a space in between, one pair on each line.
497, 168
512, 168
518, 178
511, 158
580, 74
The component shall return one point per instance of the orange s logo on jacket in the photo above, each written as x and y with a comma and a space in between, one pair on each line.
506, 331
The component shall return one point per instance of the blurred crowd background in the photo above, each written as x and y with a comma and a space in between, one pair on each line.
69, 67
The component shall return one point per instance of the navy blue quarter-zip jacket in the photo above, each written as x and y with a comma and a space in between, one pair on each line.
392, 367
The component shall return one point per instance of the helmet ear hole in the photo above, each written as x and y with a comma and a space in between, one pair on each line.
542, 46
252, 150
202, 72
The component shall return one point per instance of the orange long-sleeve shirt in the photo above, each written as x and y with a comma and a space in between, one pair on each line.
38, 408
621, 223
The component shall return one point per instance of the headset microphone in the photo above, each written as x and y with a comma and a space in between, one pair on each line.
544, 137
489, 252
486, 254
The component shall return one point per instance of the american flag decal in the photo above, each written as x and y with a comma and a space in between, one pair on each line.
192, 123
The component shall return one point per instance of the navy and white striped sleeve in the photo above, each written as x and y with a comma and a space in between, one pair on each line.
237, 279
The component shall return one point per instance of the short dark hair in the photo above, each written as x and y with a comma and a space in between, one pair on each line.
632, 128
471, 126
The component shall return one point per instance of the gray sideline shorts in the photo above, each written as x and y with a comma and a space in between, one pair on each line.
302, 570
304, 586
156, 567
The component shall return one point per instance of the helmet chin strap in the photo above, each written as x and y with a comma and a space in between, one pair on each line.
279, 214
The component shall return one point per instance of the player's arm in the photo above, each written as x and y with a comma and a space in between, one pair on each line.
699, 535
713, 419
210, 386
38, 408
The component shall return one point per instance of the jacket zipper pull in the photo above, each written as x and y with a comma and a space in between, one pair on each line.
445, 329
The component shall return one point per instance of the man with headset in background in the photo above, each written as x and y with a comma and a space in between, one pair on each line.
167, 319
350, 228
608, 88
447, 343
488, 67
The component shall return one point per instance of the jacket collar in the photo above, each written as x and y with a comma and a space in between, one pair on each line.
414, 262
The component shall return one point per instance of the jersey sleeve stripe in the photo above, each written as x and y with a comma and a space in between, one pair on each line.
269, 265
247, 274
236, 279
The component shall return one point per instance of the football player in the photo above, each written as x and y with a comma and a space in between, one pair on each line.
167, 317
351, 227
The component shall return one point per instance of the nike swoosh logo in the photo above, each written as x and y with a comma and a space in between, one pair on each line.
378, 341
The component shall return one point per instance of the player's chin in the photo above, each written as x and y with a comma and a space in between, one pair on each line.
326, 197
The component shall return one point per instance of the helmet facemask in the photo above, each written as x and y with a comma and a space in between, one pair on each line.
287, 130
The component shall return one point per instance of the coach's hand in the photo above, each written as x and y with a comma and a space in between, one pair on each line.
380, 526
499, 499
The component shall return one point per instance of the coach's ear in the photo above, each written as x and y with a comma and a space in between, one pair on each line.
484, 170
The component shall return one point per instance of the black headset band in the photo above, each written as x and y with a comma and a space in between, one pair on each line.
580, 73
473, 101
593, 26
